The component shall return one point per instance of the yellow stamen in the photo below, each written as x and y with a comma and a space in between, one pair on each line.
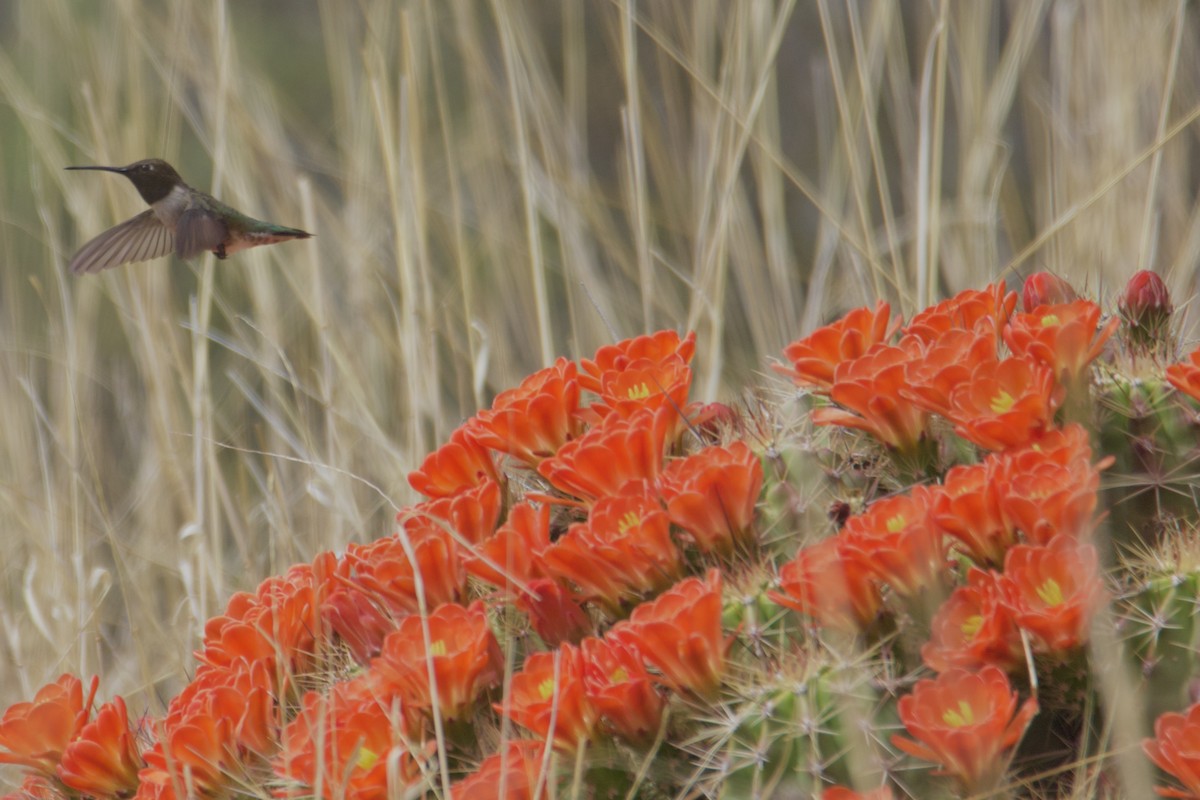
1002, 402
964, 715
971, 625
896, 524
437, 648
1050, 592
629, 519
366, 759
1050, 320
639, 392
546, 689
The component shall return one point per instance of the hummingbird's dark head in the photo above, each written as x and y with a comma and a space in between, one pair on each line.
153, 177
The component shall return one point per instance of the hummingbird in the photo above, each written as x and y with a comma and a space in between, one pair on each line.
180, 218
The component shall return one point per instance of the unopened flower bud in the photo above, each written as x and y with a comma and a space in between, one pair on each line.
1146, 307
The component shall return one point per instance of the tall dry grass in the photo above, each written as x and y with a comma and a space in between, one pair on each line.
494, 184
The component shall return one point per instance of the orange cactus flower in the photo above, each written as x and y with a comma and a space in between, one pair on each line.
103, 760
198, 743
984, 310
711, 494
463, 654
679, 633
35, 734
973, 628
943, 365
1043, 498
385, 572
1175, 749
512, 560
870, 387
618, 685
1064, 337
611, 454
1185, 376
533, 420
964, 721
643, 383
222, 724
549, 691
511, 554
837, 593
615, 358
896, 542
1068, 446
279, 620
1053, 591
242, 695
350, 744
471, 513
624, 549
462, 462
358, 621
1045, 289
1006, 404
554, 612
814, 358
968, 509
512, 774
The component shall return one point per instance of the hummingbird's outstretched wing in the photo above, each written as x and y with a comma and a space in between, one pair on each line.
138, 239
198, 231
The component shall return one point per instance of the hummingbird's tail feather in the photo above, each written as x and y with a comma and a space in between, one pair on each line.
138, 239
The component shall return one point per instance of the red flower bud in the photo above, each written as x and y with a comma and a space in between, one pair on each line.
1146, 308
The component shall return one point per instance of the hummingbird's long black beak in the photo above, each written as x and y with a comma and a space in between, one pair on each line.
103, 169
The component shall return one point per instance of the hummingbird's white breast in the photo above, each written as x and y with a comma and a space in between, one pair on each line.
170, 208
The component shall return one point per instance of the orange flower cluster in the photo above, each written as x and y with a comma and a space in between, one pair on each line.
226, 723
1013, 505
393, 606
571, 695
574, 500
948, 362
350, 742
66, 747
1028, 495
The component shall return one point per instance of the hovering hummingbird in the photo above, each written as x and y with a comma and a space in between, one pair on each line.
180, 218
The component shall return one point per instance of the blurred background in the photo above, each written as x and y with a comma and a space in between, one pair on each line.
491, 185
